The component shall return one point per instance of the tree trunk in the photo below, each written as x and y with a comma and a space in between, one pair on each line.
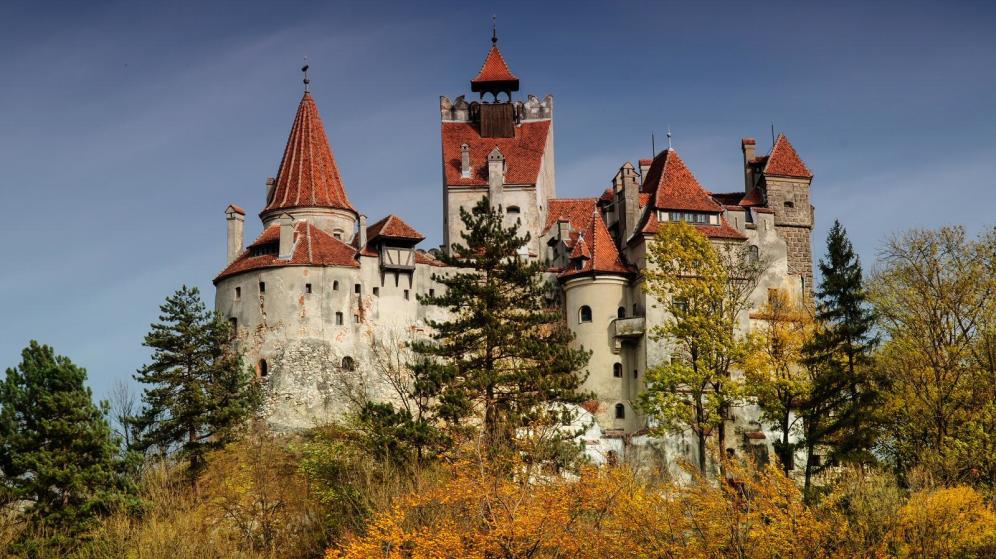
787, 453
702, 452
809, 470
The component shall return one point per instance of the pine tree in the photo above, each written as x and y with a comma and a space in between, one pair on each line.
840, 409
506, 355
57, 451
198, 393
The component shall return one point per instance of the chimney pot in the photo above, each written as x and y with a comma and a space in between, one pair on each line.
748, 146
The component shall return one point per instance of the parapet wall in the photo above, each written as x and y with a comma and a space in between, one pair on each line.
460, 110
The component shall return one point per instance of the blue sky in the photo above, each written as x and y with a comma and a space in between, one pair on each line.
126, 128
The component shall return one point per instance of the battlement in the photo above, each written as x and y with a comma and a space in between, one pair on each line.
460, 110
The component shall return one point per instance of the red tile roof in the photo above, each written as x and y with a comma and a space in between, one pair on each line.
575, 210
312, 247
523, 153
645, 162
308, 174
236, 209
675, 187
494, 69
393, 227
422, 257
597, 250
785, 162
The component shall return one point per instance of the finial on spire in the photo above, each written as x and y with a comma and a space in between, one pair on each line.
305, 70
669, 137
494, 30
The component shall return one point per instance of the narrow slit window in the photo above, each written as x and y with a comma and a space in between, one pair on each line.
262, 287
335, 285
307, 288
338, 319
238, 293
263, 368
407, 296
357, 289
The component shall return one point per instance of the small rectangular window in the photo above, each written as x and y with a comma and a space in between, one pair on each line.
234, 323
357, 288
238, 293
262, 287
307, 288
407, 297
432, 293
376, 291
338, 319
335, 285
356, 318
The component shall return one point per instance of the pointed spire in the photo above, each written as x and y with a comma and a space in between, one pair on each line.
494, 77
308, 174
784, 161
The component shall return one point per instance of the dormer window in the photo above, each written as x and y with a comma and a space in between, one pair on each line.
698, 218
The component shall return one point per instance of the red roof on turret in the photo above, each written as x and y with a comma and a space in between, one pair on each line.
784, 161
312, 247
675, 187
494, 69
308, 174
596, 250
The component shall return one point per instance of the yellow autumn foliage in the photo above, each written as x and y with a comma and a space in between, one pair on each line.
609, 512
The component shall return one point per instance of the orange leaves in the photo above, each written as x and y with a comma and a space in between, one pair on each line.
606, 512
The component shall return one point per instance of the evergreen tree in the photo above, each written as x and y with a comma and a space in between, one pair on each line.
57, 452
198, 393
840, 409
506, 355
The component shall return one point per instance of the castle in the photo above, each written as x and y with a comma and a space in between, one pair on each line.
323, 301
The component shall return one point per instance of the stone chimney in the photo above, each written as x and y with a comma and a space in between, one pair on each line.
236, 218
629, 212
286, 236
496, 177
363, 232
644, 169
748, 147
465, 161
563, 235
270, 184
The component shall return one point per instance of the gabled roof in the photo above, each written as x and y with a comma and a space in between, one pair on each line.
393, 227
596, 251
312, 247
577, 211
784, 161
523, 153
494, 69
308, 175
674, 187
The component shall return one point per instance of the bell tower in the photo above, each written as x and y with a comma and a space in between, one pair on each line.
500, 148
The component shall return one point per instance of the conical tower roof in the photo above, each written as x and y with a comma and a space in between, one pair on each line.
308, 175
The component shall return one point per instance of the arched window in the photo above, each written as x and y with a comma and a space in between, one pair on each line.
620, 411
621, 313
617, 370
348, 363
262, 368
584, 314
512, 209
